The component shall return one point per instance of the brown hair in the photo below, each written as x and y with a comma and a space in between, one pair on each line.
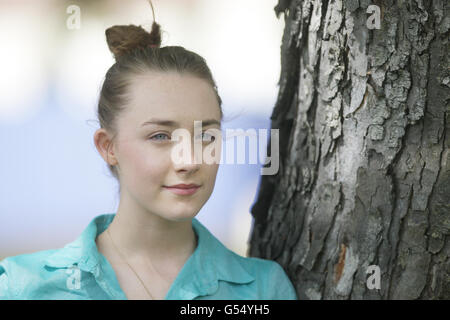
137, 51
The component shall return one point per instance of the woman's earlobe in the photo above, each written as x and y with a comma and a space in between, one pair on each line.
110, 156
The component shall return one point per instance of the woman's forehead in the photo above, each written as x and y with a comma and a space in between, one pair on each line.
172, 114
170, 86
172, 96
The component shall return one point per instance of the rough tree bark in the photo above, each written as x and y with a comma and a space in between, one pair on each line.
364, 141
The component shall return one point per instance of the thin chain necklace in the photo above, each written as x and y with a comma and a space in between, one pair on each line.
142, 282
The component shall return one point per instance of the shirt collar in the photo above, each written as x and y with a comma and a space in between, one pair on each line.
211, 260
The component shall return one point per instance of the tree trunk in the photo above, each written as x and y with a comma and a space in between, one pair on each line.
364, 144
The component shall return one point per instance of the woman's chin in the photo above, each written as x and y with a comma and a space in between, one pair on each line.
180, 216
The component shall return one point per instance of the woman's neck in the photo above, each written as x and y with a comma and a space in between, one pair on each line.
142, 235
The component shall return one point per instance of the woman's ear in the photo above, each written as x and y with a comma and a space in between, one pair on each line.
105, 146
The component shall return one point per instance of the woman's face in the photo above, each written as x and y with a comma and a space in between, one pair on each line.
143, 152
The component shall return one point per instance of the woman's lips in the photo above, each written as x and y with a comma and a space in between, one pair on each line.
183, 191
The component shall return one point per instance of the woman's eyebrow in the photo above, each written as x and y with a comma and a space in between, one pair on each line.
171, 123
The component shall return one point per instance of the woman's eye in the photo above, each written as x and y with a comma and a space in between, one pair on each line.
158, 134
209, 138
205, 137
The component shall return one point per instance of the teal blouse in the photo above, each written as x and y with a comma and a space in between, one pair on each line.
80, 271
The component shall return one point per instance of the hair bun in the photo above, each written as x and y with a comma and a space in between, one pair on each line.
123, 39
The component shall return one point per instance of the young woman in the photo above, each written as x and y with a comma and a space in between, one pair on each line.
153, 247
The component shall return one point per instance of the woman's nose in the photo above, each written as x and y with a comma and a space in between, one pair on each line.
187, 158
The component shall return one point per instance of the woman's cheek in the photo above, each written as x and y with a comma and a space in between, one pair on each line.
155, 166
